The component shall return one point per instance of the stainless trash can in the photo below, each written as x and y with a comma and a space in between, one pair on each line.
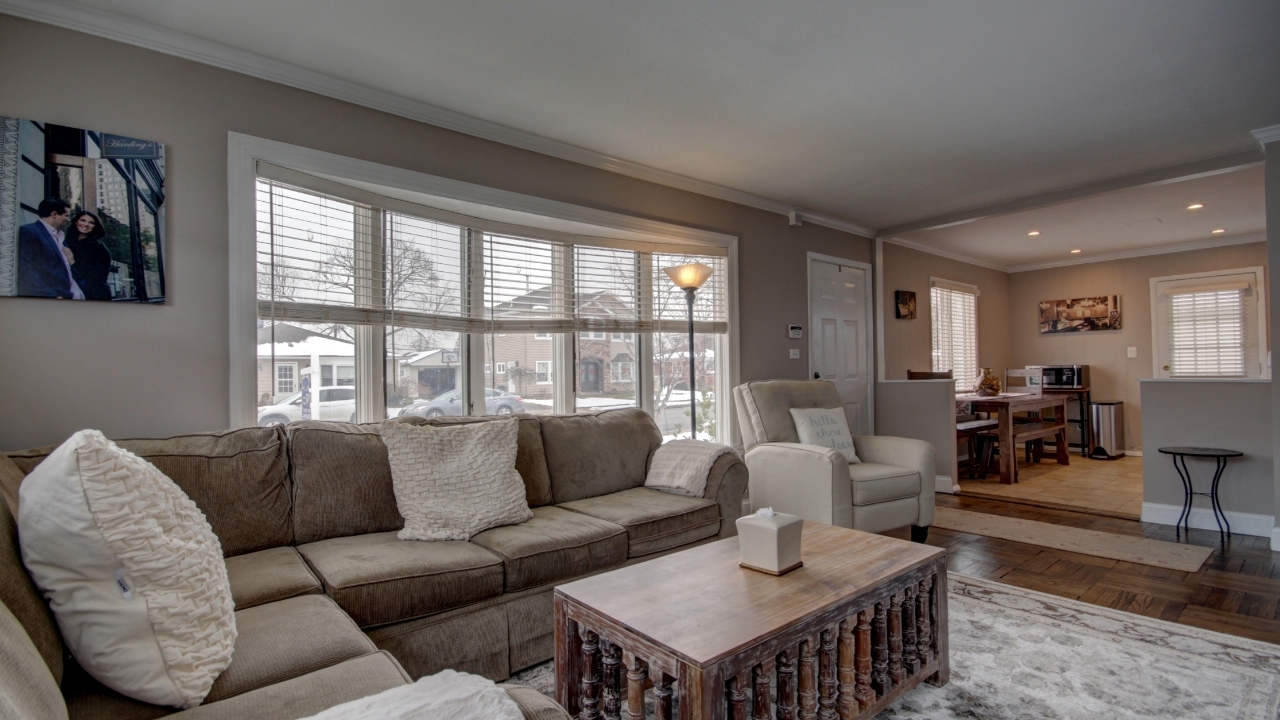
1108, 430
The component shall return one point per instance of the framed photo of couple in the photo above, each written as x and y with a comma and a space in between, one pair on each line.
81, 214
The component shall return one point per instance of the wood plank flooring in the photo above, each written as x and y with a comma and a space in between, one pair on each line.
1236, 592
1106, 487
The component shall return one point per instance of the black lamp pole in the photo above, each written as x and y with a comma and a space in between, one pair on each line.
693, 402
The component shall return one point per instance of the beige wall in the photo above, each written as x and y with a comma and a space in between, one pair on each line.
142, 371
908, 344
1114, 376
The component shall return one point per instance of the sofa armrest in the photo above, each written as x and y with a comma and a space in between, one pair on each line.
805, 480
727, 485
909, 453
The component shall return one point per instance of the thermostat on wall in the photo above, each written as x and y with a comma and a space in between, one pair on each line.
795, 332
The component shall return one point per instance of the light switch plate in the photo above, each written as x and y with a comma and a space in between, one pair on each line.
1133, 352
795, 353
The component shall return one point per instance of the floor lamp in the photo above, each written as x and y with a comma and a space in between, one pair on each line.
689, 278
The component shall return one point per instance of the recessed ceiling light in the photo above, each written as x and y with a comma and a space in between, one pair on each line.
1219, 231
1195, 206
1034, 233
1073, 252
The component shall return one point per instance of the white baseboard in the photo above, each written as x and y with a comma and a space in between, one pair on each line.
1275, 539
944, 484
1135, 453
1202, 518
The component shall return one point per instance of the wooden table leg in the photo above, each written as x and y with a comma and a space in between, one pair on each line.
1008, 451
568, 661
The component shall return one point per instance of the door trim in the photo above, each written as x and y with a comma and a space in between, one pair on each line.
869, 324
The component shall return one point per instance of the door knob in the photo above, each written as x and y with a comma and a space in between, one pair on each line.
816, 376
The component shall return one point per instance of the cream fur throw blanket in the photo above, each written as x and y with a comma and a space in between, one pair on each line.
447, 695
681, 466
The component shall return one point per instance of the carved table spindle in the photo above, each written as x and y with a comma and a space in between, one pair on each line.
590, 676
636, 676
760, 694
924, 630
846, 703
808, 681
910, 658
737, 700
862, 665
612, 683
896, 672
786, 687
662, 696
880, 681
827, 678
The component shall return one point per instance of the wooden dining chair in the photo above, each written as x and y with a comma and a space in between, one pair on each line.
930, 375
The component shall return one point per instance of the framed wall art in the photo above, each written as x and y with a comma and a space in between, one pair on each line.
1080, 315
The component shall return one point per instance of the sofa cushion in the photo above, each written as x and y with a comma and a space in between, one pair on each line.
655, 520
238, 478
341, 481
589, 455
764, 407
309, 694
18, 592
534, 705
556, 544
27, 688
378, 578
270, 575
531, 457
287, 639
875, 483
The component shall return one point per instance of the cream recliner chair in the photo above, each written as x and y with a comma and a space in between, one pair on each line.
892, 486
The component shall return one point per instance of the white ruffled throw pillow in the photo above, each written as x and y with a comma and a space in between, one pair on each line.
132, 571
827, 427
452, 482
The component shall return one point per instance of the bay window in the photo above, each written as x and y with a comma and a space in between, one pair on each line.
406, 298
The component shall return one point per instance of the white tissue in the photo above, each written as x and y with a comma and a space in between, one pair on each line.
764, 512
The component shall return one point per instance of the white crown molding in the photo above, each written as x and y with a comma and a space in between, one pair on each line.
208, 52
946, 254
1267, 135
1143, 252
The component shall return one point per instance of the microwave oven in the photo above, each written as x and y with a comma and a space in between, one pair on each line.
1065, 377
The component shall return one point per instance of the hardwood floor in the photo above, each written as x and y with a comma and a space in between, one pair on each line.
1107, 487
1236, 592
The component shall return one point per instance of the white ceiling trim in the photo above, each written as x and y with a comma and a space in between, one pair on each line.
945, 253
170, 42
1267, 135
1143, 252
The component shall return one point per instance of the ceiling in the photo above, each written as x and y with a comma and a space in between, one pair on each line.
1137, 220
877, 113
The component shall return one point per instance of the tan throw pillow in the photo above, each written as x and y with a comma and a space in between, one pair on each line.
827, 427
132, 571
452, 482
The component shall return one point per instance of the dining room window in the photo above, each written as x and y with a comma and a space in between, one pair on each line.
953, 309
1209, 325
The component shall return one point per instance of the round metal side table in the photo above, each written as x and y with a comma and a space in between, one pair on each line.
1220, 456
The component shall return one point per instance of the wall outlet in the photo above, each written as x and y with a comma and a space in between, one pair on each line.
1132, 352
795, 353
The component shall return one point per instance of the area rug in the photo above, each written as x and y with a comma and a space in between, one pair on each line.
1018, 654
1144, 551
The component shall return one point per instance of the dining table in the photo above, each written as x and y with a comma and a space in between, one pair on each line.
1003, 406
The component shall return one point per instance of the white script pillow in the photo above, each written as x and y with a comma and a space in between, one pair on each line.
132, 571
826, 427
452, 482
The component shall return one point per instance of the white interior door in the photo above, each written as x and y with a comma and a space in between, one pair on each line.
839, 335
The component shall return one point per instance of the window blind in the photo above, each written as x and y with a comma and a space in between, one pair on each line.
332, 259
1207, 333
955, 334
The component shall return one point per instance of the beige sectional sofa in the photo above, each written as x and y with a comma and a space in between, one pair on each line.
331, 606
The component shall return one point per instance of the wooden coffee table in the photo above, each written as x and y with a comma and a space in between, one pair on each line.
863, 621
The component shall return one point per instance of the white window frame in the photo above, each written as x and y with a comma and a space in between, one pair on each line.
962, 384
244, 152
616, 373
294, 381
501, 368
541, 367
1255, 277
488, 368
542, 336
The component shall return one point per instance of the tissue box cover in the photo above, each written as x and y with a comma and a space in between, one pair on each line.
770, 545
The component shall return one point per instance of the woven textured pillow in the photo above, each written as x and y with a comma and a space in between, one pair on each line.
452, 482
132, 571
827, 427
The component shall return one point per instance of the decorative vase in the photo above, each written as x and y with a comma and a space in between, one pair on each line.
988, 384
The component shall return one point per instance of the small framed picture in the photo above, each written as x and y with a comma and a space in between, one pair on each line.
904, 304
